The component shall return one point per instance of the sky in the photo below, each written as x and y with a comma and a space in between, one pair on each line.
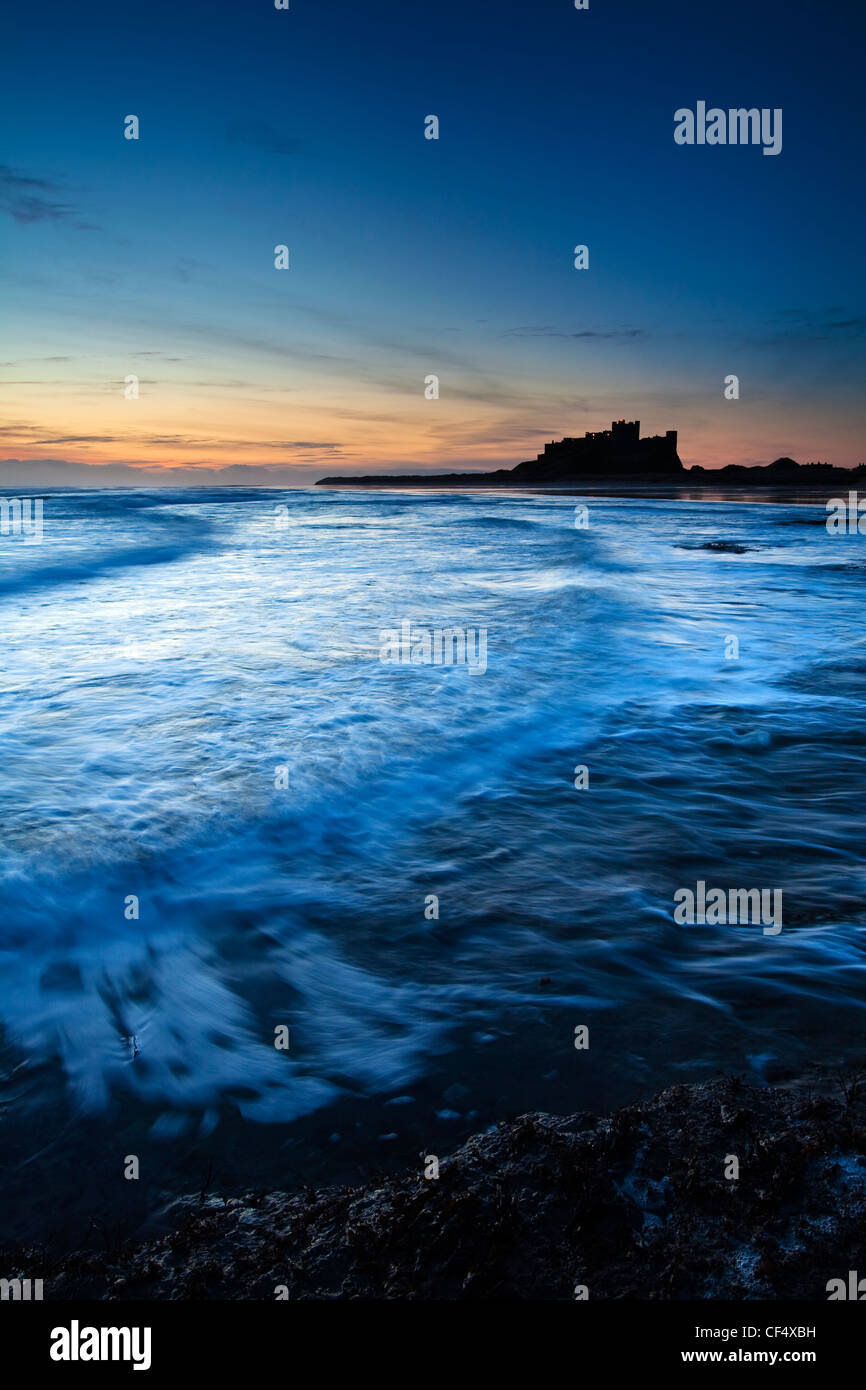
412, 257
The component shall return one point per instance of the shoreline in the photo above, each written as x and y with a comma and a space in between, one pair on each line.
634, 1205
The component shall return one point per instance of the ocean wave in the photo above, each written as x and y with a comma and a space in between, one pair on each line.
145, 717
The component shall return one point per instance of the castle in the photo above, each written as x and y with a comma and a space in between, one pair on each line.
619, 450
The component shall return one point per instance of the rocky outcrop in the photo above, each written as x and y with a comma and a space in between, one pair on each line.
636, 1205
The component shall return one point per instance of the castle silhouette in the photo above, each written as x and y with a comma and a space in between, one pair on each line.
618, 455
618, 451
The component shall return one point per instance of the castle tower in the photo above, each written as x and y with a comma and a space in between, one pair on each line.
625, 431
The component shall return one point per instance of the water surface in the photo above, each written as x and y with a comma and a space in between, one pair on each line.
165, 652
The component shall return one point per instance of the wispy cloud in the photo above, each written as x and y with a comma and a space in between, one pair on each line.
544, 331
833, 324
28, 199
40, 438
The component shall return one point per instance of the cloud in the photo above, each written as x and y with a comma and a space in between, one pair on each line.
307, 444
36, 434
187, 267
806, 326
546, 332
27, 474
30, 199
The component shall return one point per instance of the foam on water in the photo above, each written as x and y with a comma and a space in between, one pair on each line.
164, 651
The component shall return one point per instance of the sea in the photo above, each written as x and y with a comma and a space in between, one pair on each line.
279, 909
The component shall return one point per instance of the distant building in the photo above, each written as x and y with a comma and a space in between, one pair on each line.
619, 450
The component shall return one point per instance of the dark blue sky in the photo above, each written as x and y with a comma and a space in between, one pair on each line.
411, 257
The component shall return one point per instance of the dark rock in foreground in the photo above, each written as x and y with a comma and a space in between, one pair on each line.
634, 1206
